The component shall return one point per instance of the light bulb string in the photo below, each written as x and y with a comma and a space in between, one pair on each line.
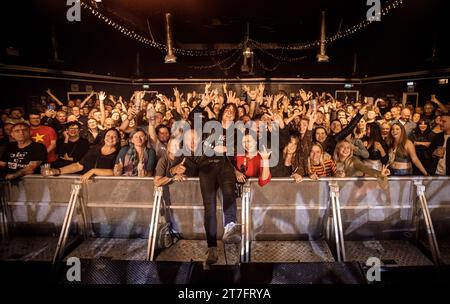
260, 45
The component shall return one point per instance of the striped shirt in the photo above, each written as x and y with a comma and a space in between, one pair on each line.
327, 169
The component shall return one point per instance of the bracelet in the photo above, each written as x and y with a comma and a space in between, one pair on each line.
265, 163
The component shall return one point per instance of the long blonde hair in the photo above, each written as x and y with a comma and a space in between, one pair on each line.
338, 146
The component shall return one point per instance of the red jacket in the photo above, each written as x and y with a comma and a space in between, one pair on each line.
253, 166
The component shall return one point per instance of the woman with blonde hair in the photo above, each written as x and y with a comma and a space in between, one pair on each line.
348, 165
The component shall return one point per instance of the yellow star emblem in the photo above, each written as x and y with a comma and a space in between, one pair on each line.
38, 137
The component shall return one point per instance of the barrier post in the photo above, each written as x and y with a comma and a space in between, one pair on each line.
74, 193
423, 207
337, 220
246, 224
4, 211
153, 226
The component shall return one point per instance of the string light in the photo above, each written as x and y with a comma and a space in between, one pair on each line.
258, 45
264, 67
216, 64
154, 44
342, 34
280, 58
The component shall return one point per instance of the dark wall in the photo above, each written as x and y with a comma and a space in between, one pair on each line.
424, 88
21, 91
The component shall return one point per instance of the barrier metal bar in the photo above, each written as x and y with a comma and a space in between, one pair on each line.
243, 230
4, 189
273, 180
337, 220
75, 190
432, 241
86, 223
153, 226
246, 224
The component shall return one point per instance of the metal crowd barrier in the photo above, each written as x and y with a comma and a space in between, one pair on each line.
337, 209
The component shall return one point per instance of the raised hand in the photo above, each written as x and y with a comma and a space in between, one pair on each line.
118, 168
379, 147
207, 87
385, 171
102, 96
131, 113
150, 111
179, 169
363, 110
176, 93
265, 154
253, 94
207, 98
261, 88
303, 95
313, 117
231, 97
140, 95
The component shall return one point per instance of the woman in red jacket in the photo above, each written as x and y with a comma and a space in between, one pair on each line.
253, 163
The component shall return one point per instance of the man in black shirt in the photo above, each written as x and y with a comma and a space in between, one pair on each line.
24, 156
72, 148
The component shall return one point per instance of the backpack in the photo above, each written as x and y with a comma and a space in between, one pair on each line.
166, 236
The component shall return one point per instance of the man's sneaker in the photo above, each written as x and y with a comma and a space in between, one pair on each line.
232, 234
212, 256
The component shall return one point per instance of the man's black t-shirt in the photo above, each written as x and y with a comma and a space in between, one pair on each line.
75, 150
18, 158
95, 159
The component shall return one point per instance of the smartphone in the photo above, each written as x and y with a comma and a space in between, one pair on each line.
50, 107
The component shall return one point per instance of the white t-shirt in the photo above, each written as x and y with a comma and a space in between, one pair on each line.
440, 170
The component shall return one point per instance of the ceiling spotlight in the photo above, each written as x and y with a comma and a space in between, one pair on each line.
322, 56
248, 55
170, 57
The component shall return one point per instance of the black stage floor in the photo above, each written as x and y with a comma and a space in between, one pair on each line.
108, 271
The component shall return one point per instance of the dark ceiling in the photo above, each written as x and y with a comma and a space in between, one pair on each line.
413, 37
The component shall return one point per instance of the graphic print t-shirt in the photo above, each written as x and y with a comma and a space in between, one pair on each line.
18, 158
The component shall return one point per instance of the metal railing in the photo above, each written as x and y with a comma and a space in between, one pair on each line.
310, 207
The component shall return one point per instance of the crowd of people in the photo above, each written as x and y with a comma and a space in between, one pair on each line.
317, 136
